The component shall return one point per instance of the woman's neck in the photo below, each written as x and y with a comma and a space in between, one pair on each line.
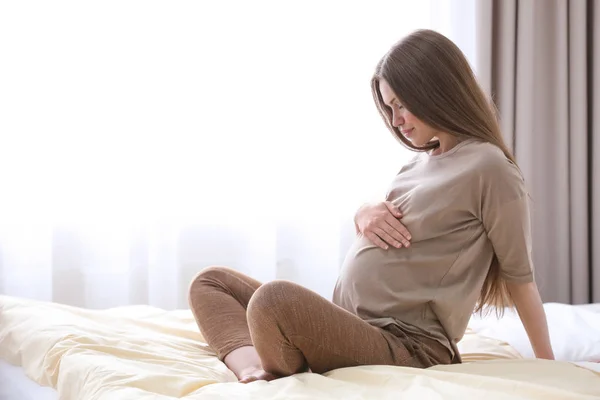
447, 142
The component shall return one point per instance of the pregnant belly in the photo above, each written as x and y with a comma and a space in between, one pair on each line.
391, 278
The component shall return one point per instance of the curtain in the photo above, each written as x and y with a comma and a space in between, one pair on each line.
144, 141
539, 61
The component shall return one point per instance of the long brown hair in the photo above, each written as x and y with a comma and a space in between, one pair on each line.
434, 81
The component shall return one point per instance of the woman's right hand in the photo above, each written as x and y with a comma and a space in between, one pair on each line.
380, 223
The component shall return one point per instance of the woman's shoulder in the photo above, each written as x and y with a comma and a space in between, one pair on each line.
495, 171
490, 159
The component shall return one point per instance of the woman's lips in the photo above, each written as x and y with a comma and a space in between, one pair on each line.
407, 132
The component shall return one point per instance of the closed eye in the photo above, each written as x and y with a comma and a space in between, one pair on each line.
395, 103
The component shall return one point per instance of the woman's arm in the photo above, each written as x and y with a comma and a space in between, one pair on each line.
531, 311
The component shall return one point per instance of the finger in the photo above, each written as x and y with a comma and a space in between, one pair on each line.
398, 231
393, 209
402, 229
393, 228
397, 225
376, 240
387, 238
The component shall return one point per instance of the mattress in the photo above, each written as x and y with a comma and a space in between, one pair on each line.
143, 352
15, 385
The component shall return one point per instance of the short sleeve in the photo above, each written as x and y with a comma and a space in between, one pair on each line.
507, 221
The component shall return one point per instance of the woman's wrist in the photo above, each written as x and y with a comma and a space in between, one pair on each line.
545, 353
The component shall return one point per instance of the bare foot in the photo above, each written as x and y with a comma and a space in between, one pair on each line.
256, 374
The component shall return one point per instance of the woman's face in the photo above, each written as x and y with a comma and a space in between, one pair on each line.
415, 130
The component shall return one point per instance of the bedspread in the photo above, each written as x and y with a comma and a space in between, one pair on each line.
142, 352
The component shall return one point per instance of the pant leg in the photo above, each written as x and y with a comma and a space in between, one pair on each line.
294, 329
218, 298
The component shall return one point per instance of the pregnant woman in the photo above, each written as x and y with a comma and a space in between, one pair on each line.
451, 237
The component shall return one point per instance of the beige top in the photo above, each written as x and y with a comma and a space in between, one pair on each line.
461, 207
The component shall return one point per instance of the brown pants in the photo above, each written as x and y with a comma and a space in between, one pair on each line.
293, 328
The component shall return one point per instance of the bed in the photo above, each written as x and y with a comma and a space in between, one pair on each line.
52, 351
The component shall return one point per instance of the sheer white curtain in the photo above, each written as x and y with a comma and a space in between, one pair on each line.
143, 141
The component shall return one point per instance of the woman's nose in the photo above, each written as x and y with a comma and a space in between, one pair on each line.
397, 120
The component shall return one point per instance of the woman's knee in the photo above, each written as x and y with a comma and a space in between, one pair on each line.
207, 277
272, 298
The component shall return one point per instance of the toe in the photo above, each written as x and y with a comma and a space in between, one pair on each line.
248, 379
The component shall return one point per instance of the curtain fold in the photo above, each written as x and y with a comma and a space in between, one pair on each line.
593, 47
536, 59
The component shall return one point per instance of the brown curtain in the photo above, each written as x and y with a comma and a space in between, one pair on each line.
540, 61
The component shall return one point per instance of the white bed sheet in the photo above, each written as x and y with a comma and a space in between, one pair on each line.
15, 385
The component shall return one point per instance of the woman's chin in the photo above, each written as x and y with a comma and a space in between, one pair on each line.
416, 142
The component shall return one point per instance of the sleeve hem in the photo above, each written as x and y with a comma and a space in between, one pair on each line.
518, 279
